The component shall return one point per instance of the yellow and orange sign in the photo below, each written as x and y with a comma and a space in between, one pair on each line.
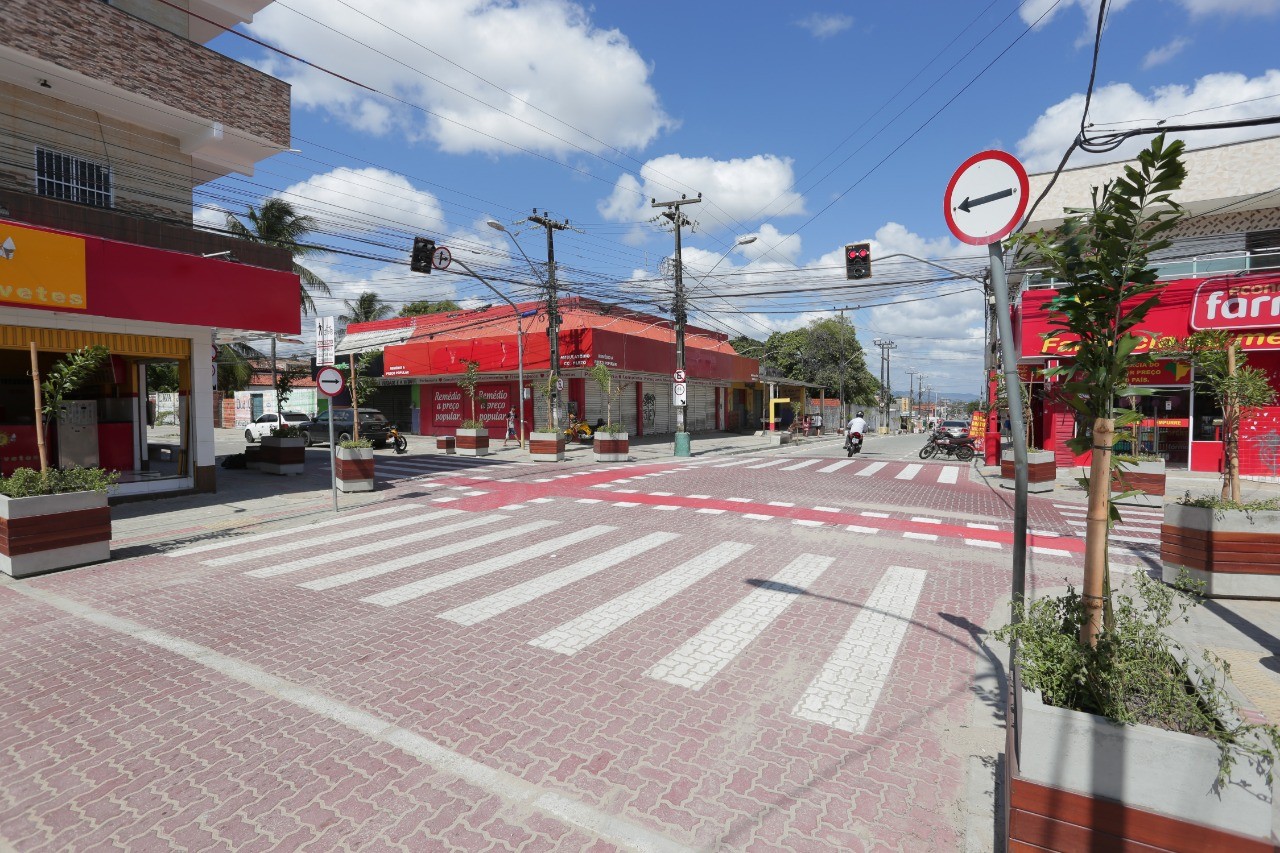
39, 269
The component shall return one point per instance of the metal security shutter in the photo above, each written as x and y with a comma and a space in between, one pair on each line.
594, 402
625, 411
664, 420
396, 402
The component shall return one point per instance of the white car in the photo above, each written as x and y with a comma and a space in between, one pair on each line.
267, 424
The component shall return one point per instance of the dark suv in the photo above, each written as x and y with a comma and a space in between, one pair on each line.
373, 426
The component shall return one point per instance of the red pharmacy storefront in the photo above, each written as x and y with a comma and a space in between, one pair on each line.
1181, 421
148, 411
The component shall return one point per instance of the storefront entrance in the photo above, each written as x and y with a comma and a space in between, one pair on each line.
1165, 428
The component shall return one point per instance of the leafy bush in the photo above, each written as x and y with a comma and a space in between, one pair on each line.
1212, 502
611, 428
355, 444
1135, 673
28, 482
287, 431
472, 423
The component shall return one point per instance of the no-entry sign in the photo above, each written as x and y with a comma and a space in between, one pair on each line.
330, 382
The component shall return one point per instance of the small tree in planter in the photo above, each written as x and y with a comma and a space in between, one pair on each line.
472, 437
1103, 255
354, 467
1042, 465
611, 444
361, 391
1231, 547
546, 444
285, 380
67, 375
285, 450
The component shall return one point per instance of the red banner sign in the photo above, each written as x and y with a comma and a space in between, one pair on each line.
1235, 303
1160, 373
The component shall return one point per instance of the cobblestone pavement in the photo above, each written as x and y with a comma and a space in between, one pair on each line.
772, 652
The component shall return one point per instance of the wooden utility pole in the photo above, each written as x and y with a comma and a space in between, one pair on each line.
35, 381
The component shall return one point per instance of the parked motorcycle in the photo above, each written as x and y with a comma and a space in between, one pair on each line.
941, 441
853, 442
398, 441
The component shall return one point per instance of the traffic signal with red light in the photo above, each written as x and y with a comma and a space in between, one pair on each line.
857, 260
424, 249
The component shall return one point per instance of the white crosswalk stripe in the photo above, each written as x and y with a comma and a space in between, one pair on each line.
734, 462
805, 464
908, 473
384, 546
435, 583
501, 602
231, 541
328, 538
835, 466
714, 647
575, 635
949, 474
767, 464
845, 693
871, 469
386, 567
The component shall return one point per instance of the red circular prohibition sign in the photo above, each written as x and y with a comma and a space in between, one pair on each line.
1023, 190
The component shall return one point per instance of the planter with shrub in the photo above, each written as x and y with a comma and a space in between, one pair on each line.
1231, 548
284, 451
1138, 481
546, 446
612, 444
353, 465
54, 519
472, 439
1042, 470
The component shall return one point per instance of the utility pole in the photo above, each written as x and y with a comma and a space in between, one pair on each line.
678, 220
553, 312
885, 347
911, 378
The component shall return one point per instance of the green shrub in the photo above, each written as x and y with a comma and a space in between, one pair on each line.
472, 423
1212, 502
1136, 673
355, 444
287, 431
28, 482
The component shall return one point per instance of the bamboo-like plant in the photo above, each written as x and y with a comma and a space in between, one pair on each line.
67, 374
468, 382
612, 391
547, 389
1102, 255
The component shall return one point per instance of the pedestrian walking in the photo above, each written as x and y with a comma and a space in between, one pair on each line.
511, 428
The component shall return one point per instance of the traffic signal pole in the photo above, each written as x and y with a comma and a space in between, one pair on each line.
678, 310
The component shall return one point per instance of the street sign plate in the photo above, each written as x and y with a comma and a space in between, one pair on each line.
330, 382
679, 376
442, 258
559, 384
986, 198
324, 341
679, 393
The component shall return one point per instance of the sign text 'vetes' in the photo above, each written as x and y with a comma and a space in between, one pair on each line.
39, 269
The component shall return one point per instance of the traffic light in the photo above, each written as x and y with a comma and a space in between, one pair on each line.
857, 260
424, 249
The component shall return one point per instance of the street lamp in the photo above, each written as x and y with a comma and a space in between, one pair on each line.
553, 327
519, 340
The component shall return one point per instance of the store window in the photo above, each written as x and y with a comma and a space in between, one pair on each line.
1208, 421
71, 178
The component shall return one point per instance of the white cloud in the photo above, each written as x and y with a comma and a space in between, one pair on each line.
365, 200
1231, 7
1160, 55
1119, 105
824, 26
737, 190
772, 244
1032, 10
546, 53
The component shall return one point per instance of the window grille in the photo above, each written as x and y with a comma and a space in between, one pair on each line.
72, 178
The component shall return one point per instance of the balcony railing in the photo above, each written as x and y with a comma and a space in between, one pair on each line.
1197, 267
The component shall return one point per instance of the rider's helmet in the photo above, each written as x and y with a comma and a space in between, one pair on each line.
859, 414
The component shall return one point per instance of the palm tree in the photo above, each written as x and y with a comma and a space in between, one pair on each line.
367, 308
278, 223
235, 366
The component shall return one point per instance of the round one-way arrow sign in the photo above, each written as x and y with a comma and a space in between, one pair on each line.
330, 382
986, 198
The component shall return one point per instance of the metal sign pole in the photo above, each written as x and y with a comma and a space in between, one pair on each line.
333, 460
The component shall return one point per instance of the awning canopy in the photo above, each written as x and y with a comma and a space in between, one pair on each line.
356, 342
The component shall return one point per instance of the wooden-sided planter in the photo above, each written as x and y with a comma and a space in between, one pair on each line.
283, 455
46, 532
546, 446
1077, 781
446, 443
354, 469
472, 442
253, 458
612, 446
1147, 477
1235, 553
1042, 470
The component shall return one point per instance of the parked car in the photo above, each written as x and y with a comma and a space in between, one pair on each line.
267, 424
373, 426
956, 429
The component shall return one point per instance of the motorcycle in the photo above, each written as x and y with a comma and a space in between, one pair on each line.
853, 442
579, 431
397, 440
941, 441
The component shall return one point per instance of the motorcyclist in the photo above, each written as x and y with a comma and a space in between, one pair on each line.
858, 424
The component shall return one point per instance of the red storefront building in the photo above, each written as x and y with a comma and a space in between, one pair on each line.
639, 349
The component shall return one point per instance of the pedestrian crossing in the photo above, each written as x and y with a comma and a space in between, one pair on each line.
815, 467
646, 572
428, 465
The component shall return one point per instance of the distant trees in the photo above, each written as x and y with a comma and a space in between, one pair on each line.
825, 352
426, 306
366, 308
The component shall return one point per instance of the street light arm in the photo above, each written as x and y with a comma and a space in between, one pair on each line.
981, 281
482, 280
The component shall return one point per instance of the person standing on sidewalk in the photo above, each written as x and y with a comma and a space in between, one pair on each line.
511, 428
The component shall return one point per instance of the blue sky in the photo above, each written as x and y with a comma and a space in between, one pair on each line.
807, 125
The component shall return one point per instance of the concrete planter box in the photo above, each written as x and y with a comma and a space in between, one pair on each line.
253, 458
283, 455
1148, 477
47, 532
1235, 553
778, 438
354, 469
612, 446
1077, 781
1042, 470
446, 443
472, 442
546, 446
